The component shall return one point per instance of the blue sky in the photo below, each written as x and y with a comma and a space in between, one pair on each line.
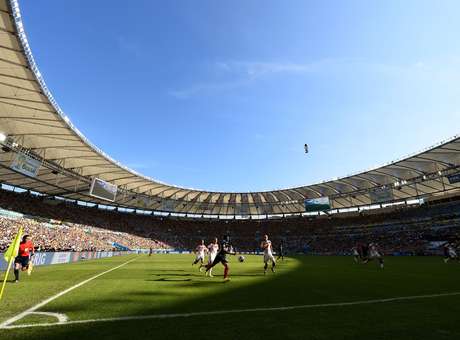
223, 95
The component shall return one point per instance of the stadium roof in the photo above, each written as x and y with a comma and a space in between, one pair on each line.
37, 127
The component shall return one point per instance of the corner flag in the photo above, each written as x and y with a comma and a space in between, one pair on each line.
13, 249
9, 256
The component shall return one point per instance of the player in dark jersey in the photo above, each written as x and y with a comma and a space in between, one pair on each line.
26, 251
225, 249
364, 253
281, 251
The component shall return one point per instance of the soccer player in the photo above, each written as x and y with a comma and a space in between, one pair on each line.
213, 249
221, 257
200, 253
355, 253
375, 253
449, 252
22, 261
266, 245
363, 250
281, 251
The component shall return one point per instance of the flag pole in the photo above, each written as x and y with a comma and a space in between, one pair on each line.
10, 255
6, 277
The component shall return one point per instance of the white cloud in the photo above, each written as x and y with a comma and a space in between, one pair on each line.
240, 73
234, 74
258, 69
205, 88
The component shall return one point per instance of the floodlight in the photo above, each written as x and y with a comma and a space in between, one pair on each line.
2, 137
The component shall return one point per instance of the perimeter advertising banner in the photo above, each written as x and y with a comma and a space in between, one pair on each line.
381, 195
25, 165
317, 204
44, 259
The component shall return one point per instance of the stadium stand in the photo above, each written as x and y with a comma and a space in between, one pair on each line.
69, 236
52, 234
61, 225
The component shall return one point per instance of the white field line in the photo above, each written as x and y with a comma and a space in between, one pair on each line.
234, 311
54, 297
61, 317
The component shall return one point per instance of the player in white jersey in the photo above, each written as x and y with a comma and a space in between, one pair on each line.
374, 253
200, 252
213, 249
355, 254
267, 247
450, 253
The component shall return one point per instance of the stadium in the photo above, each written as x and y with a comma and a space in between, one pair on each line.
372, 254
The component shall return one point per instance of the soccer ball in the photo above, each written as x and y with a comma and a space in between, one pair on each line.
241, 258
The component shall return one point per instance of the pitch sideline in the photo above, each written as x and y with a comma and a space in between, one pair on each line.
62, 319
231, 311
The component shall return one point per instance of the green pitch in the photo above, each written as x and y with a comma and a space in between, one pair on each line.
167, 285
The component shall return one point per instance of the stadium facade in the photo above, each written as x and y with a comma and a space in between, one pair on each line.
42, 151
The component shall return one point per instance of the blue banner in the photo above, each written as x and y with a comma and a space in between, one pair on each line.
45, 259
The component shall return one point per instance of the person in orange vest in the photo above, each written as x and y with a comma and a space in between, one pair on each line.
22, 261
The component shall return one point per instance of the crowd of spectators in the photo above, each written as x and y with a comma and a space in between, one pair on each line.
405, 230
53, 236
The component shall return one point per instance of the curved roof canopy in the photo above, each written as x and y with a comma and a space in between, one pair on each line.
37, 127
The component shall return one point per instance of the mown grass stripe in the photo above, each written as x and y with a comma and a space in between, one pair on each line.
232, 311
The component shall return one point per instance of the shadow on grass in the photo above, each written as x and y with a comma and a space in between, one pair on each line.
232, 292
7, 281
179, 275
165, 279
340, 281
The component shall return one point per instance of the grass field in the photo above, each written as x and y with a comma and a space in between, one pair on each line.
173, 296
